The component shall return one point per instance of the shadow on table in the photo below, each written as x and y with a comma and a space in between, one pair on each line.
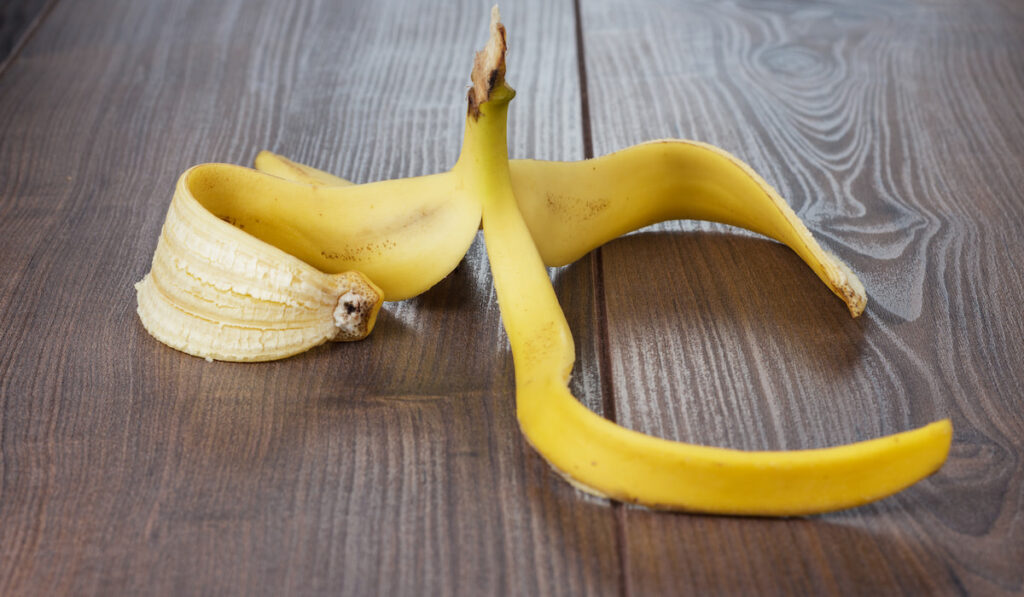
720, 279
863, 548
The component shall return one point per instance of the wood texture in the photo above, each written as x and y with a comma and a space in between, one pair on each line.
394, 466
895, 130
18, 19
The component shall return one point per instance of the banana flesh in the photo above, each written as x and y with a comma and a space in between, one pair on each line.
255, 264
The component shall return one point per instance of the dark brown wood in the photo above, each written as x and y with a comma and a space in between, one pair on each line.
18, 18
392, 466
896, 131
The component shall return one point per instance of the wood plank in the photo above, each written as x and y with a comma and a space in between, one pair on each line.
391, 466
896, 132
17, 19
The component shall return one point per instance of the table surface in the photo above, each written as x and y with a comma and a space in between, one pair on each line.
394, 465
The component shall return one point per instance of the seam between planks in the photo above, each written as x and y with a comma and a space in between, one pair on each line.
601, 307
30, 32
581, 68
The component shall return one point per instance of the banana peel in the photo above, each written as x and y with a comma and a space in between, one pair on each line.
216, 292
271, 255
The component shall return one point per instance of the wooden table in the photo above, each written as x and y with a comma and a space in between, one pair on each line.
394, 466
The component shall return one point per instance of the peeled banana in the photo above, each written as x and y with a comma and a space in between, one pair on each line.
261, 264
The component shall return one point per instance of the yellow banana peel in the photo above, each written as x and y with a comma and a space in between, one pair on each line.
261, 264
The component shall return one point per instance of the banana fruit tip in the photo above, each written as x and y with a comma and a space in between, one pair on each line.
260, 264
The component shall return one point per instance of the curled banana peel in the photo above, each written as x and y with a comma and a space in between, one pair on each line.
243, 232
215, 291
572, 208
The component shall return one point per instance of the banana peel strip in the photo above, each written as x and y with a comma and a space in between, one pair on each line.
534, 214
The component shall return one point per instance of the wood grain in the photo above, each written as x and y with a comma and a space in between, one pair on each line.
895, 130
18, 19
392, 466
